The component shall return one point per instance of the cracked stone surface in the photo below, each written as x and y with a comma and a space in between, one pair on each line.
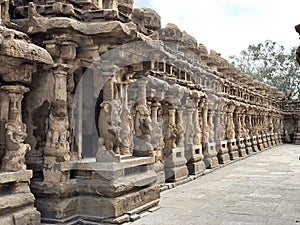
263, 189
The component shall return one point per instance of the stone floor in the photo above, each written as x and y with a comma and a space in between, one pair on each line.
262, 189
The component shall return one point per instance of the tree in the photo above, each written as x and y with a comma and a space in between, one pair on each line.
271, 63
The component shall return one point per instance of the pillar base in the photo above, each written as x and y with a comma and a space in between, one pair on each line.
260, 143
210, 154
265, 141
241, 147
297, 139
17, 202
232, 149
175, 165
194, 157
221, 148
96, 192
158, 168
269, 141
273, 142
277, 139
249, 149
254, 140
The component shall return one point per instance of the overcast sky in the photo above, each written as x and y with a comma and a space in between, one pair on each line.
230, 26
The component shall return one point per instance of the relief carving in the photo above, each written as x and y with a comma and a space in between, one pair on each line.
14, 158
143, 128
109, 124
58, 124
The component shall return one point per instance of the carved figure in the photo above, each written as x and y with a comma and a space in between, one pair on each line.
14, 159
58, 123
189, 134
143, 129
109, 124
157, 136
211, 129
287, 137
230, 132
179, 136
126, 134
205, 137
142, 121
170, 137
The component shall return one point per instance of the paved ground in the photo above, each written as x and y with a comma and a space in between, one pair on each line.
262, 189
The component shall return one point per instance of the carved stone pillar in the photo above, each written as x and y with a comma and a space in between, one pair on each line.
205, 137
60, 75
248, 140
259, 131
142, 91
193, 147
57, 147
239, 131
142, 123
211, 125
14, 158
271, 129
221, 144
209, 148
157, 142
230, 132
179, 126
126, 136
253, 137
276, 126
264, 129
189, 131
175, 161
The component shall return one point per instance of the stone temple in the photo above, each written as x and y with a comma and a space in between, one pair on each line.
101, 107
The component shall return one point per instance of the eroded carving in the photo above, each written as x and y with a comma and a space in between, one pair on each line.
109, 124
14, 159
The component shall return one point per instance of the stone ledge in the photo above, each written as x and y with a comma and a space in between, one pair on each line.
8, 177
12, 201
91, 164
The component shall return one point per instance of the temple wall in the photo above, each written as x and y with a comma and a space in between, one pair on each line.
109, 107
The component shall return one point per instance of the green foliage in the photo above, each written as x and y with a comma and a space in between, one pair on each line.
271, 63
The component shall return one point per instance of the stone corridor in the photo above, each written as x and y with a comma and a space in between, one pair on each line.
100, 106
263, 190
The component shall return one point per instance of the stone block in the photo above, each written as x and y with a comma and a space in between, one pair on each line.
175, 164
297, 139
8, 177
254, 144
210, 154
260, 143
222, 150
265, 141
249, 148
98, 208
194, 157
241, 146
27, 216
232, 149
16, 200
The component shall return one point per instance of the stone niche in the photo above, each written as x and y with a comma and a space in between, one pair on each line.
116, 177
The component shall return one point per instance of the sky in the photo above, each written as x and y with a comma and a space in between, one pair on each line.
230, 26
